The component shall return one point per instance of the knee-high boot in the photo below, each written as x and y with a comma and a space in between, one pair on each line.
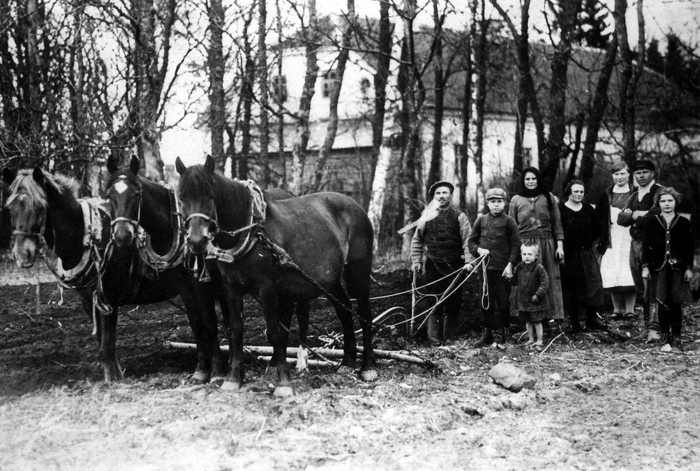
434, 331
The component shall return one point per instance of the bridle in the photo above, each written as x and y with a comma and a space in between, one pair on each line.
134, 223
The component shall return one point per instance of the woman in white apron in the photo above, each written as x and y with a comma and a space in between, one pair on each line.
614, 243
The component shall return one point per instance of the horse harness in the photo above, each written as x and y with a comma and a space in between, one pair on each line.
255, 232
150, 257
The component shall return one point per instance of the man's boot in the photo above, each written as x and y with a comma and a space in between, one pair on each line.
450, 324
433, 328
486, 339
592, 322
676, 337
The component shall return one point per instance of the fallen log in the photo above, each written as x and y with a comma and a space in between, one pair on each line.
326, 352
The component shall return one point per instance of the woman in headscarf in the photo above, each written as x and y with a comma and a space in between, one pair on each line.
615, 241
536, 212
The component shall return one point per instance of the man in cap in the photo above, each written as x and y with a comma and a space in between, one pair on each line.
441, 237
496, 234
635, 216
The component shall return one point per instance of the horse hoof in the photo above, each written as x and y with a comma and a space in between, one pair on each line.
283, 391
199, 377
231, 386
217, 380
344, 370
369, 375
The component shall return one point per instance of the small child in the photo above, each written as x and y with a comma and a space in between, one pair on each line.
496, 234
532, 284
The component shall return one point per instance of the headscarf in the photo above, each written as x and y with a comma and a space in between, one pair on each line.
540, 189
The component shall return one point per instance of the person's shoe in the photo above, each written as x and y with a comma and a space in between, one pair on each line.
433, 331
616, 316
630, 316
485, 340
653, 335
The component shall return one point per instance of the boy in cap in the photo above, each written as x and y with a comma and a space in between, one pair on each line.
441, 236
496, 234
635, 216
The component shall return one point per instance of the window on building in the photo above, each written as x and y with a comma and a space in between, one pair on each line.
329, 82
279, 89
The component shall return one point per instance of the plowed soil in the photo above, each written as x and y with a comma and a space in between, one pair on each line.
603, 400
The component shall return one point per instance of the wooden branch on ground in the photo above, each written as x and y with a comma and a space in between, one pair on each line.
326, 352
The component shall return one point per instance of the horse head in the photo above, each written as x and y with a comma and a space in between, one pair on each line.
198, 206
123, 189
28, 206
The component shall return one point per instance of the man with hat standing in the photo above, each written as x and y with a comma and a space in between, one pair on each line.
635, 216
496, 234
441, 236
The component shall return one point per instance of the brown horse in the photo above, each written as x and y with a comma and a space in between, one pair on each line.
295, 249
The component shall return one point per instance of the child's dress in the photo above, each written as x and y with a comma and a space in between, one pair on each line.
532, 280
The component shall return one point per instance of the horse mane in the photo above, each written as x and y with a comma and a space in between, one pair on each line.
33, 194
232, 197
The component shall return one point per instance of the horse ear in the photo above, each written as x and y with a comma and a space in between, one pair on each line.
112, 164
209, 164
8, 175
38, 175
134, 165
179, 166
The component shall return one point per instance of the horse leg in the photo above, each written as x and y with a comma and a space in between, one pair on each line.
357, 279
233, 308
344, 312
302, 311
108, 346
277, 335
199, 305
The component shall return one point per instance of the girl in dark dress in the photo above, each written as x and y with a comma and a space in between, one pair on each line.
580, 273
667, 258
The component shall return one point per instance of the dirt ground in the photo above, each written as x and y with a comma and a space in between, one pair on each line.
602, 400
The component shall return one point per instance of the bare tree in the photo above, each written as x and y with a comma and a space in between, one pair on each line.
629, 75
566, 16
264, 179
310, 37
217, 105
596, 113
341, 63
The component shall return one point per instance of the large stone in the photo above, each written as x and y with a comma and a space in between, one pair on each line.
511, 377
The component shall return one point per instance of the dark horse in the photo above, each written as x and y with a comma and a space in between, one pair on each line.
147, 213
46, 211
296, 249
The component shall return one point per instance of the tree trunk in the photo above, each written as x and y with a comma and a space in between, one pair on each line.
595, 116
411, 101
33, 63
557, 149
332, 128
217, 109
263, 98
435, 170
311, 40
149, 82
382, 121
280, 113
247, 100
76, 74
629, 77
466, 117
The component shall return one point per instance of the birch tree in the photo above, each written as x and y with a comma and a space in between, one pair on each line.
383, 122
264, 179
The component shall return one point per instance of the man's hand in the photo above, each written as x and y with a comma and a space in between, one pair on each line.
468, 266
535, 299
688, 275
482, 252
639, 214
417, 267
645, 273
508, 272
